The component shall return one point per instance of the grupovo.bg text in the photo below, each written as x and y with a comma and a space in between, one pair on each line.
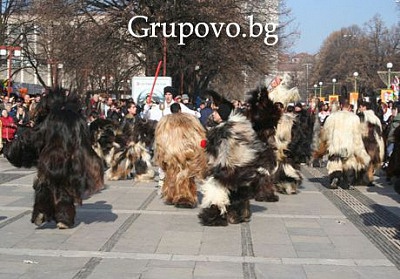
183, 30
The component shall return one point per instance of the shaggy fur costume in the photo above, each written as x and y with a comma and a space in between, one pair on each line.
125, 150
393, 170
103, 137
179, 153
276, 131
263, 115
240, 168
371, 129
288, 176
282, 93
67, 167
341, 138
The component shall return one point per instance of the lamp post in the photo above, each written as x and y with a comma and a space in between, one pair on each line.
333, 86
389, 66
10, 51
320, 88
355, 74
315, 90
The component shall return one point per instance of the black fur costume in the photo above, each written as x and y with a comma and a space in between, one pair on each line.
67, 167
240, 168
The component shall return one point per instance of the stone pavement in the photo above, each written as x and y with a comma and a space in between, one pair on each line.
127, 232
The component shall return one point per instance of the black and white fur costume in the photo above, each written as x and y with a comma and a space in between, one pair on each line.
371, 129
287, 177
241, 167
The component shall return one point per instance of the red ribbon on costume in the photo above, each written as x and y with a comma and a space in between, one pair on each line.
203, 143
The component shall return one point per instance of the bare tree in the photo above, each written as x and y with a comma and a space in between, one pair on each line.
353, 49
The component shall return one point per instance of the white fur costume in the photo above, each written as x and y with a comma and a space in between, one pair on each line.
341, 136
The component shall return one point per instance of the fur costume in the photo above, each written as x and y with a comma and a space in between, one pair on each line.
282, 93
103, 138
67, 167
276, 130
341, 138
240, 168
178, 152
393, 169
288, 176
263, 115
371, 129
125, 150
316, 127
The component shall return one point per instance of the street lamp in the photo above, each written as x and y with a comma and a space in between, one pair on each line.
355, 74
333, 85
315, 90
389, 66
320, 88
10, 51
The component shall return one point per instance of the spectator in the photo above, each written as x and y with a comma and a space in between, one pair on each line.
114, 113
34, 103
175, 108
205, 112
178, 99
186, 101
5, 100
156, 112
123, 107
130, 117
22, 120
27, 102
95, 104
8, 129
108, 106
93, 116
323, 113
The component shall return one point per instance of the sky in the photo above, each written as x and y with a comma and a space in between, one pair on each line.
317, 19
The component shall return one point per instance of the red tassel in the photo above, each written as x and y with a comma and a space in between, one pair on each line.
203, 143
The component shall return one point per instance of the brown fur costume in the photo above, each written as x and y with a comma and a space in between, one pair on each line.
341, 138
179, 154
67, 167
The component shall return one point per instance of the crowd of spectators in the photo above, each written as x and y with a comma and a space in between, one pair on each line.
16, 116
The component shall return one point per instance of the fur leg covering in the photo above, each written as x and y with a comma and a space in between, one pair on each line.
43, 207
287, 178
179, 153
64, 209
214, 203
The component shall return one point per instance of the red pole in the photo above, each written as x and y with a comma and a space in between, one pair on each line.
154, 82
